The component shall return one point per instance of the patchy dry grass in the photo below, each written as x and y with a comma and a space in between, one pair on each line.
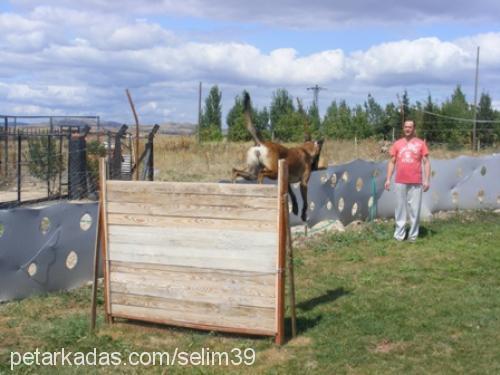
181, 158
366, 304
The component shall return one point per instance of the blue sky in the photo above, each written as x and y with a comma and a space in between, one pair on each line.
64, 57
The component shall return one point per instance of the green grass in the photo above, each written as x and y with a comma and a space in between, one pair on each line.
365, 305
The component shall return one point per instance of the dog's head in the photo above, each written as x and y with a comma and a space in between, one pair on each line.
313, 148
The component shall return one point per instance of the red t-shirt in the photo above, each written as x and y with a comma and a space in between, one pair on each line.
409, 156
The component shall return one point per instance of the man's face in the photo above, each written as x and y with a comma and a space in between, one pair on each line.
409, 128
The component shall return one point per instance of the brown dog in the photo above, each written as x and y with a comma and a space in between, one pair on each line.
262, 161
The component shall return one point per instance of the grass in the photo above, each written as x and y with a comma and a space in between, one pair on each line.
181, 158
365, 303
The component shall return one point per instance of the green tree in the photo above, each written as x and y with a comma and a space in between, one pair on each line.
281, 105
455, 132
290, 127
314, 121
360, 127
430, 129
375, 116
392, 121
330, 120
236, 121
211, 124
487, 132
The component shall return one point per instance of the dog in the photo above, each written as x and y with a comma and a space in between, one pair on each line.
262, 161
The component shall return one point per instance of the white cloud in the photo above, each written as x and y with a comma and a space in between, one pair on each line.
76, 60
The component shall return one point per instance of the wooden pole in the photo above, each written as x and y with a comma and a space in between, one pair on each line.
291, 277
136, 132
282, 234
104, 237
474, 125
93, 308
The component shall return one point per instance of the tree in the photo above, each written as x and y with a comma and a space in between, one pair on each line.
430, 125
330, 120
314, 121
375, 116
360, 126
236, 122
281, 105
487, 132
211, 124
455, 132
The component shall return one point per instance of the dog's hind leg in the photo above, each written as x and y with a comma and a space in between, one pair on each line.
295, 206
242, 173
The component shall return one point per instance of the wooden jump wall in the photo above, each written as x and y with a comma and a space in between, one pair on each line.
200, 255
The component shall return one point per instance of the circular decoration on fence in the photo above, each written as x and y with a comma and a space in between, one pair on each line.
329, 205
32, 268
312, 206
324, 179
354, 209
2, 229
460, 173
483, 170
85, 222
454, 197
45, 225
433, 173
376, 172
359, 184
370, 202
340, 204
345, 176
480, 196
71, 260
498, 199
333, 180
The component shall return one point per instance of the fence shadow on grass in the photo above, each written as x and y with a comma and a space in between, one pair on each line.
327, 297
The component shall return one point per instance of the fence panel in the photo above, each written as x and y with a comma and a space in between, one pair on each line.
200, 255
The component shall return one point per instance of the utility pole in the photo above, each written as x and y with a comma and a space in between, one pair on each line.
474, 135
199, 113
316, 89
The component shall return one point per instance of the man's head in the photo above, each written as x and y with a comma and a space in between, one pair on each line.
409, 128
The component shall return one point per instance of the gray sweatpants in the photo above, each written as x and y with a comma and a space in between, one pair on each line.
408, 203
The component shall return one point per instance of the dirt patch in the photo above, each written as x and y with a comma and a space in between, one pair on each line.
386, 346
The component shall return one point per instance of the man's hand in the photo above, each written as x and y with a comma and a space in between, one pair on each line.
426, 186
387, 184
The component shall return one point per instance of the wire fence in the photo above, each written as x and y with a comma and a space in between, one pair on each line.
62, 163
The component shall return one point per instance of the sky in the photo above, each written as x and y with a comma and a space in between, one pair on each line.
64, 57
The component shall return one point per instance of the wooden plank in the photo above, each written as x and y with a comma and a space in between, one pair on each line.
189, 258
208, 327
195, 223
190, 199
262, 282
194, 312
190, 292
202, 188
194, 210
206, 242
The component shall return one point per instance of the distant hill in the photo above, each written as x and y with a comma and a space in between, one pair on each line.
173, 128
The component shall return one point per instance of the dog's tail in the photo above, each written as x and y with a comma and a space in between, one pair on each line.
248, 119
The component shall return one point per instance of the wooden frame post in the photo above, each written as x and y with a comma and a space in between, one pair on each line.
282, 235
103, 224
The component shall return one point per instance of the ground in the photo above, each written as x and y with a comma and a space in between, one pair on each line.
365, 303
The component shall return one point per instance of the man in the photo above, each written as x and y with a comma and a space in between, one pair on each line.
407, 155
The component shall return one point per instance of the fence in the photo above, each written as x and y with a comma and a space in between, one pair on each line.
45, 163
200, 255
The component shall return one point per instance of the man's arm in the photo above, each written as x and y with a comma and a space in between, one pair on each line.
427, 173
390, 170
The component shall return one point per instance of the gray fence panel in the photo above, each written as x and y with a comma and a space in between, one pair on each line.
35, 262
